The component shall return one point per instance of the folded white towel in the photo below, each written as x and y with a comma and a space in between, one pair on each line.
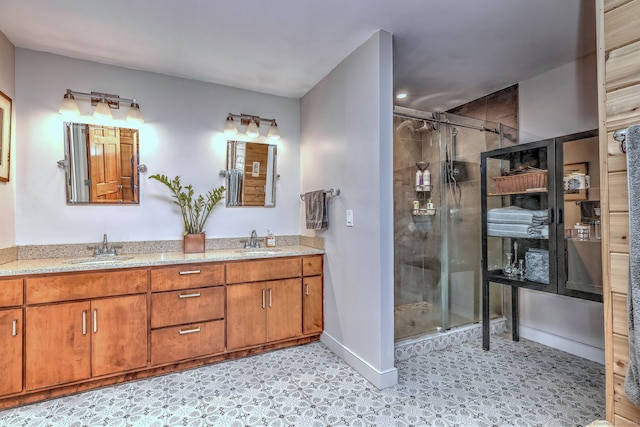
516, 215
518, 230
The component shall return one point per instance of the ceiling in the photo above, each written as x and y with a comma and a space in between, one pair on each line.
446, 53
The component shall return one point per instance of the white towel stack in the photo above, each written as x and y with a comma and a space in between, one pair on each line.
513, 221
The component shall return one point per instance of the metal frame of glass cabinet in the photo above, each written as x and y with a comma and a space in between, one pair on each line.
549, 155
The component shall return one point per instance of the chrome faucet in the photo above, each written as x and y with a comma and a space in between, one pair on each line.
105, 250
105, 245
253, 241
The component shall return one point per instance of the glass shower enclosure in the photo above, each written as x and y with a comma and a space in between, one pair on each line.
437, 220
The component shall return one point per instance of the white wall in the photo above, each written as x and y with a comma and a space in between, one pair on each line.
8, 189
346, 142
182, 135
560, 102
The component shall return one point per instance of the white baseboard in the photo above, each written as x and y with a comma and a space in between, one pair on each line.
586, 351
380, 379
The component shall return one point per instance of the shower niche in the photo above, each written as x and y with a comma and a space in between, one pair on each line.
538, 232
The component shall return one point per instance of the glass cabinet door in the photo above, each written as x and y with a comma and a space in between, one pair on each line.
580, 254
519, 218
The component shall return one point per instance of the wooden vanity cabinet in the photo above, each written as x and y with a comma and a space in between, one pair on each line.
187, 312
96, 333
312, 295
11, 296
263, 311
65, 332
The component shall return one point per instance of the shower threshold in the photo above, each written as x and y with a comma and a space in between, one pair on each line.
407, 348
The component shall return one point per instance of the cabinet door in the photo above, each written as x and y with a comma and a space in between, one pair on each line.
246, 315
58, 345
284, 309
11, 353
312, 305
119, 334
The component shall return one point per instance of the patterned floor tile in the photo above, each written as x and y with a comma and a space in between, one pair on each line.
514, 384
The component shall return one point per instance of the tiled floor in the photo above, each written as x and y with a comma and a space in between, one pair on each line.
514, 384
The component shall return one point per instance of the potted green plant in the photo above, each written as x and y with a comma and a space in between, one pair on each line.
195, 210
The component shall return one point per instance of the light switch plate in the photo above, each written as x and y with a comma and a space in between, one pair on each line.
349, 218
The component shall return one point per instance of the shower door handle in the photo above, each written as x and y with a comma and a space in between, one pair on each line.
551, 215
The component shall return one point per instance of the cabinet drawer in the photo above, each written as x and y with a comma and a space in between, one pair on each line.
185, 342
312, 265
11, 292
267, 269
76, 286
187, 276
186, 306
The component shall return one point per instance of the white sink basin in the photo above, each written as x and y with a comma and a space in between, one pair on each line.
99, 260
256, 251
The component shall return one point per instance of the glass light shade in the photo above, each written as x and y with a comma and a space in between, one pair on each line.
68, 107
273, 132
252, 129
230, 126
134, 115
103, 111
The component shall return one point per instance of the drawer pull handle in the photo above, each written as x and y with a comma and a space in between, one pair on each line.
95, 320
306, 292
84, 322
14, 327
182, 273
189, 331
197, 294
263, 299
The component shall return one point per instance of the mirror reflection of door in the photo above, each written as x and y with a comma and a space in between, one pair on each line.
104, 164
129, 164
255, 174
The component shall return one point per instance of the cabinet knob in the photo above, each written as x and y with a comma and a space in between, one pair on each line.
14, 327
189, 331
95, 320
84, 322
270, 297
264, 304
306, 290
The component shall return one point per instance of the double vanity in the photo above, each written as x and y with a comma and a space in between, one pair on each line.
68, 325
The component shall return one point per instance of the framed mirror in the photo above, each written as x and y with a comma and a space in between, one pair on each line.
251, 174
101, 164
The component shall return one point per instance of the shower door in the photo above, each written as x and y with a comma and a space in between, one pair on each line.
438, 233
417, 240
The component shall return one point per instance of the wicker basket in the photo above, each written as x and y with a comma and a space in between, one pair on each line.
520, 183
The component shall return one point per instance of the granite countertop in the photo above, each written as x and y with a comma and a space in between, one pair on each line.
63, 265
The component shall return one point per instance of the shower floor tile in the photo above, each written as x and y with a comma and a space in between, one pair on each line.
514, 384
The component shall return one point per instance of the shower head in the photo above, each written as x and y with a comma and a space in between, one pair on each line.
406, 124
425, 127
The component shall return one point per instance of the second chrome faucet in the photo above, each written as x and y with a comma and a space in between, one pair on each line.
253, 241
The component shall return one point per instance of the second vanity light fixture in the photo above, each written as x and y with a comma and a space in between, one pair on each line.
104, 103
252, 123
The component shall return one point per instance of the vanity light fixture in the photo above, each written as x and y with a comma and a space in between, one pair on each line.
102, 110
253, 124
273, 132
104, 102
252, 129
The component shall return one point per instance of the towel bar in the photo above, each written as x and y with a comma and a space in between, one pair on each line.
331, 193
